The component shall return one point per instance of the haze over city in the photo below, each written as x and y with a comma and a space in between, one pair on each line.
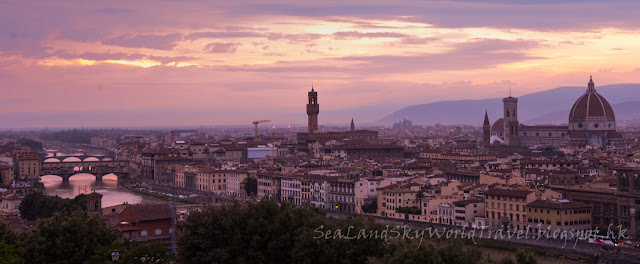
161, 63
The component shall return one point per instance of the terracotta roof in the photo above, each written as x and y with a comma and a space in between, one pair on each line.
498, 125
578, 134
550, 204
463, 203
508, 192
614, 134
465, 173
591, 104
524, 127
149, 212
94, 194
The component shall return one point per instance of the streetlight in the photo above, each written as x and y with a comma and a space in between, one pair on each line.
115, 256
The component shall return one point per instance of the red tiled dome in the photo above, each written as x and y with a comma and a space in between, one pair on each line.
578, 134
591, 104
614, 134
498, 126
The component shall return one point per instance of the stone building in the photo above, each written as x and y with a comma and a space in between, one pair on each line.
591, 122
306, 140
553, 215
313, 109
505, 209
28, 165
611, 207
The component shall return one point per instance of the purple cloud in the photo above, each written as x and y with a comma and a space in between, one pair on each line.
356, 35
223, 34
220, 47
150, 41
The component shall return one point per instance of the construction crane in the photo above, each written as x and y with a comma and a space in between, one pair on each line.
255, 123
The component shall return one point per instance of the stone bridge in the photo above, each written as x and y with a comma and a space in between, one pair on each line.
72, 165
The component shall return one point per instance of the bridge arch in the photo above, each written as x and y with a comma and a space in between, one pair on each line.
110, 177
91, 159
71, 159
52, 160
82, 176
51, 178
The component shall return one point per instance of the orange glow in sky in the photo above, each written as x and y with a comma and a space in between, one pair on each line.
236, 59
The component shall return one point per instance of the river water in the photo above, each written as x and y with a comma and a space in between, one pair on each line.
86, 183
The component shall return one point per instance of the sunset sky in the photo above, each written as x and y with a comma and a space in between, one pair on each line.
231, 62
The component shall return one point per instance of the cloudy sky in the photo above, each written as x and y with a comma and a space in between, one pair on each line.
231, 62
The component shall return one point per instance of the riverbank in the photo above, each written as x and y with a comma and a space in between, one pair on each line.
162, 196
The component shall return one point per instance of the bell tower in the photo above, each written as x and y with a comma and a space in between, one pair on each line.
511, 121
94, 203
486, 130
313, 108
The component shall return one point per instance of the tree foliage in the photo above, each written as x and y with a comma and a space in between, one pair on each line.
33, 144
524, 256
133, 253
409, 210
10, 254
266, 232
67, 239
371, 207
251, 187
37, 205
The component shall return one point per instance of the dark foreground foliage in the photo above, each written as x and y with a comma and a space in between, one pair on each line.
267, 232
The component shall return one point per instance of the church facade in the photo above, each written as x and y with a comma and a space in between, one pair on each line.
591, 122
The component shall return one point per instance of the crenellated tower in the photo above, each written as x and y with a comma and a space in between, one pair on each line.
313, 109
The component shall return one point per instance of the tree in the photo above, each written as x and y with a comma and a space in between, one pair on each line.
409, 253
67, 239
409, 210
251, 187
37, 205
419, 197
371, 207
10, 254
524, 256
133, 253
6, 234
268, 232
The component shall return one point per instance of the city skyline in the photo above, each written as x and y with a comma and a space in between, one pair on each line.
166, 61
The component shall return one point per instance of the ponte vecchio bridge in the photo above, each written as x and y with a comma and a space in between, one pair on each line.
67, 166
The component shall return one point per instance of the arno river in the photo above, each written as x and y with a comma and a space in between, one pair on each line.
86, 183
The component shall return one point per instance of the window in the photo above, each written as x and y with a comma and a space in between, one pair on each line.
143, 233
158, 232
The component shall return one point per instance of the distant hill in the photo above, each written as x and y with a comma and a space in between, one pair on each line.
625, 112
531, 107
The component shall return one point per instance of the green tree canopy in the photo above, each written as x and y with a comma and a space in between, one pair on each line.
266, 232
37, 205
10, 254
251, 186
67, 239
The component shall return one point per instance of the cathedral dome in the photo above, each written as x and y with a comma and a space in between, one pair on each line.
498, 126
591, 106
